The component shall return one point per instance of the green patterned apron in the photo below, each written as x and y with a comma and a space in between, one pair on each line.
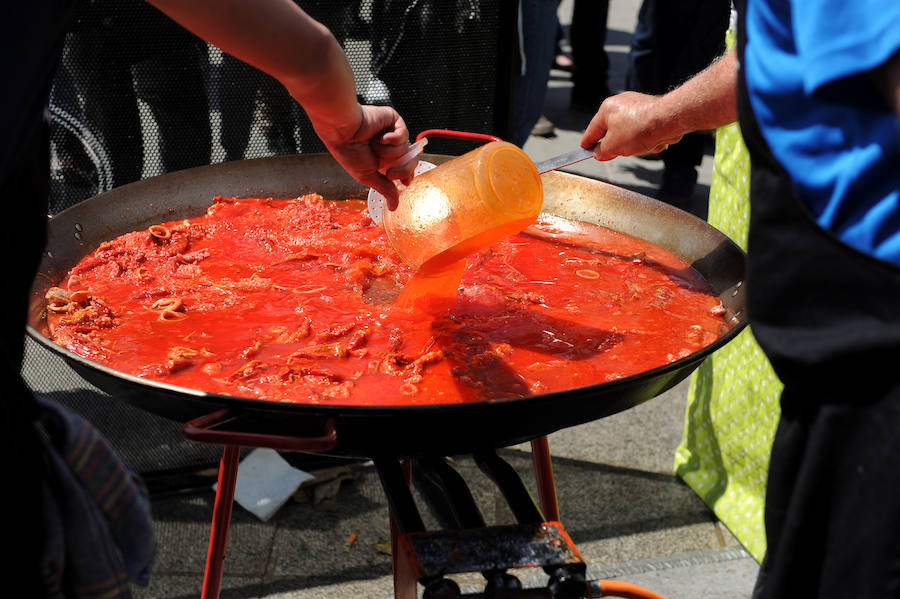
733, 399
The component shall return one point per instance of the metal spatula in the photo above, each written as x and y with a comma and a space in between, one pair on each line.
551, 164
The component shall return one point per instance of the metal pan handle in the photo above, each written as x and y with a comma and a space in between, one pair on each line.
200, 429
450, 133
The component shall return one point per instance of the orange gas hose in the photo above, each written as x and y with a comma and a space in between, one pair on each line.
615, 588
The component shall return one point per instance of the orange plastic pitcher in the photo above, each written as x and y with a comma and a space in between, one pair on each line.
464, 205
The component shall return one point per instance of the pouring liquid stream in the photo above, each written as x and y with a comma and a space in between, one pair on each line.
434, 286
431, 293
453, 211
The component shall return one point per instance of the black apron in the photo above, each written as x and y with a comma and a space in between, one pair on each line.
828, 318
31, 47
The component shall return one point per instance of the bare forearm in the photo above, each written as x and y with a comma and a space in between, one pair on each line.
277, 37
706, 101
631, 123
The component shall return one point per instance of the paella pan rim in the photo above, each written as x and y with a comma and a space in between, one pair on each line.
189, 192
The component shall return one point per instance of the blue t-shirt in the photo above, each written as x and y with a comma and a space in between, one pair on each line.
805, 65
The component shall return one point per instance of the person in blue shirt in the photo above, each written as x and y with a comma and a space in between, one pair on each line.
810, 70
819, 107
818, 101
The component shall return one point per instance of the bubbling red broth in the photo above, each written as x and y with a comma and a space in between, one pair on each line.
294, 300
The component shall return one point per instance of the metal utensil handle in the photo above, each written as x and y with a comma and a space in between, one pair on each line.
452, 134
200, 429
551, 164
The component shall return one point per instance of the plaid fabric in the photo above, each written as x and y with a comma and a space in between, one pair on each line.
100, 537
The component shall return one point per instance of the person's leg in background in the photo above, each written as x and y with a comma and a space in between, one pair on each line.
101, 71
240, 88
537, 19
591, 63
691, 37
672, 42
680, 170
277, 117
74, 174
130, 50
236, 84
644, 64
561, 60
172, 81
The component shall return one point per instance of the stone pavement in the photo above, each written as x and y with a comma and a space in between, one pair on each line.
631, 518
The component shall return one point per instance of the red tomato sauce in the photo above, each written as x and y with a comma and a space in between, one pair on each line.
292, 300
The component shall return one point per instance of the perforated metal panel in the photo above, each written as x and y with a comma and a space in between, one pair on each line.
137, 95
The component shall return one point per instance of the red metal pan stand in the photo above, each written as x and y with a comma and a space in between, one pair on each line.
204, 430
464, 544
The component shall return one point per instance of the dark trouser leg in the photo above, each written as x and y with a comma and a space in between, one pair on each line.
832, 505
239, 86
643, 73
538, 32
236, 87
680, 173
588, 36
102, 75
674, 41
181, 109
277, 114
